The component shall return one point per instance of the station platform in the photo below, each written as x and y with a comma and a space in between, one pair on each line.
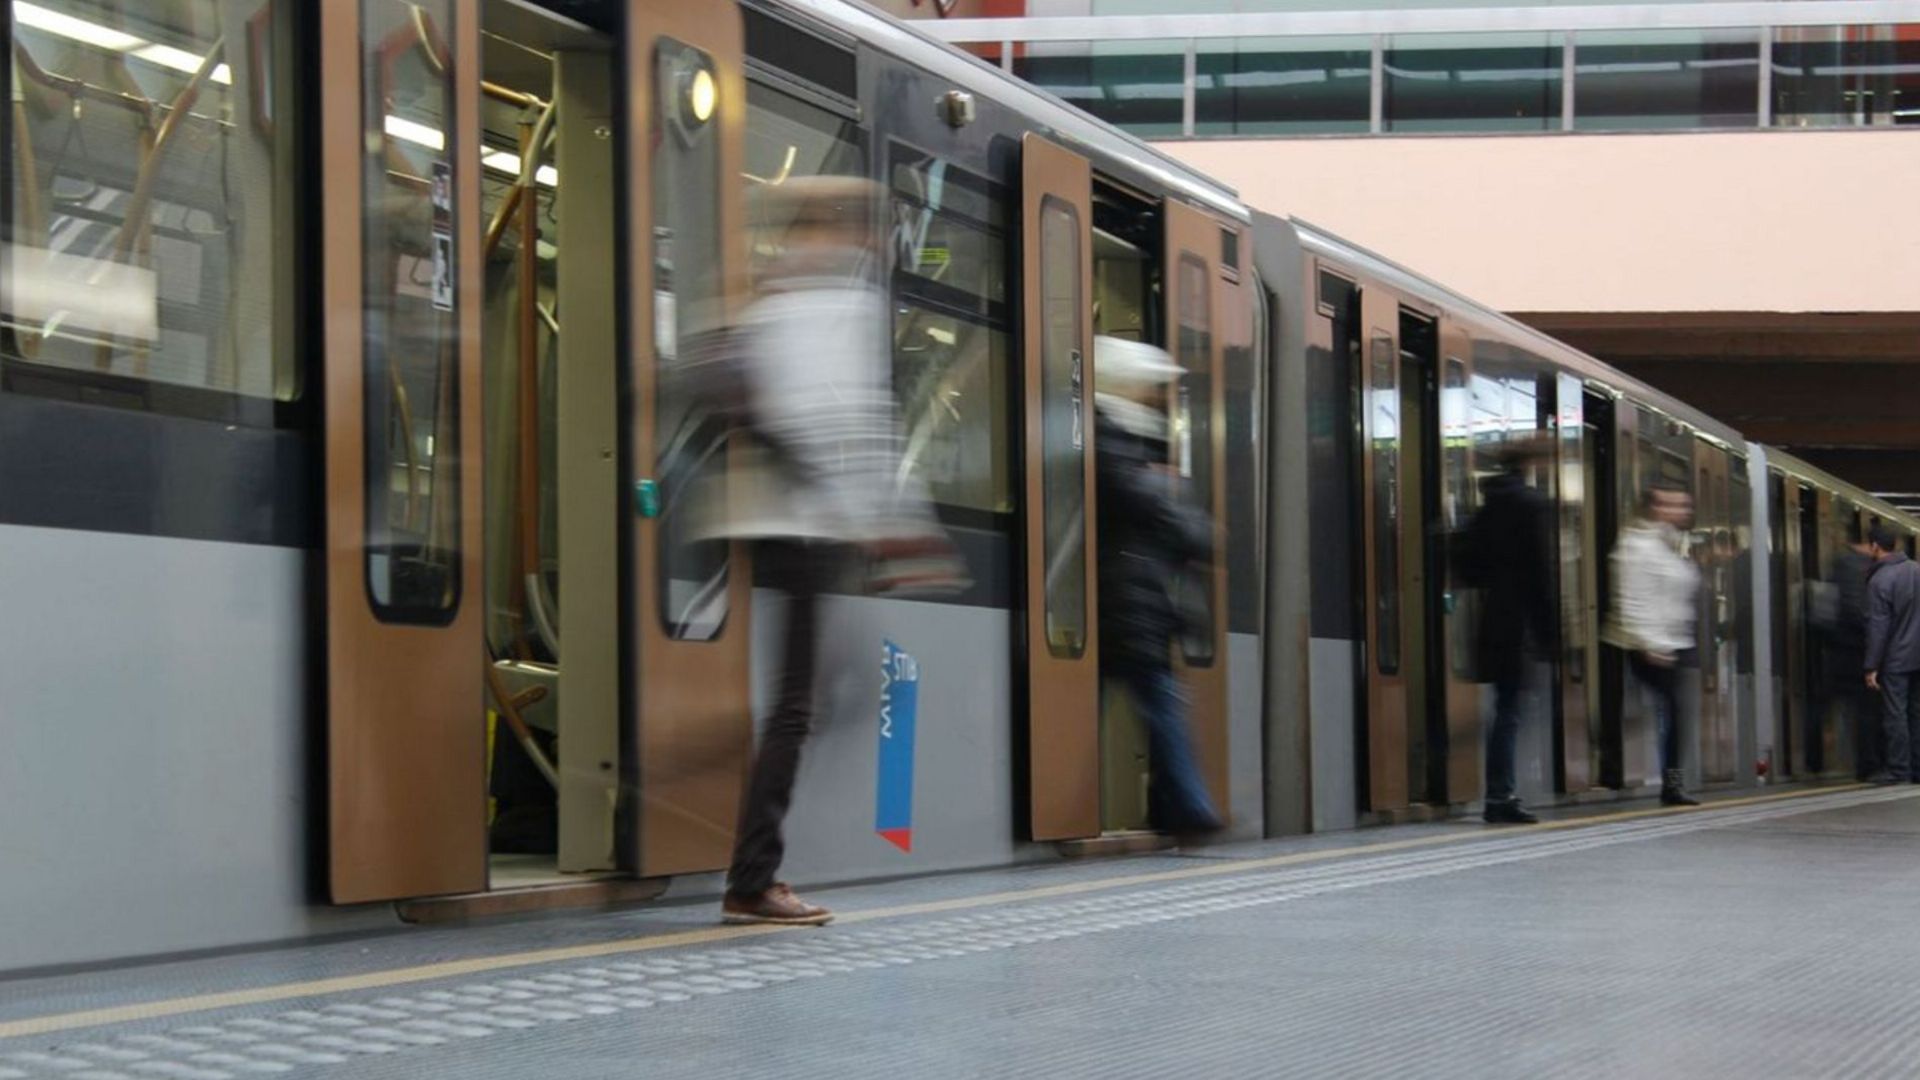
1761, 935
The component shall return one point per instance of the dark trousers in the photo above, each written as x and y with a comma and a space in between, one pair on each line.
802, 571
1900, 708
1503, 741
1661, 686
1177, 798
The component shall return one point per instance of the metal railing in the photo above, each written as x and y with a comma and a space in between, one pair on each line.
1621, 67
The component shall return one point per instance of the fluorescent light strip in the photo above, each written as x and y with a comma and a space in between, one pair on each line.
501, 161
67, 26
418, 134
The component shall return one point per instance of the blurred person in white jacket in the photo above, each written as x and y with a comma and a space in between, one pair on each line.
819, 489
1656, 593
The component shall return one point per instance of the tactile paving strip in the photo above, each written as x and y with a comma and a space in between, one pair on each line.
311, 1040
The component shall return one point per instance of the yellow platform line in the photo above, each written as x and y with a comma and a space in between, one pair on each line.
480, 965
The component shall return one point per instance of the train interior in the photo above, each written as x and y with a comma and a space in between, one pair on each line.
547, 94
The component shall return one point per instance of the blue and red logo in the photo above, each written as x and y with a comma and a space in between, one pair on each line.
899, 704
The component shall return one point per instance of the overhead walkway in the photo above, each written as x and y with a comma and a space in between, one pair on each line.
1765, 935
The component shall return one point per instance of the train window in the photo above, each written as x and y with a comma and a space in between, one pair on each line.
152, 196
1193, 438
412, 398
787, 137
1063, 435
951, 330
1384, 405
689, 298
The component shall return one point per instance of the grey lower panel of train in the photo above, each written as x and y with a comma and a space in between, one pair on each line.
167, 802
156, 787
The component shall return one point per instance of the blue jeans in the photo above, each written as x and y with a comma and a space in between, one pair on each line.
1177, 798
1503, 740
1901, 715
1661, 683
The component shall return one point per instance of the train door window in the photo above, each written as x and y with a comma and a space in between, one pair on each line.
1457, 499
950, 330
152, 187
1193, 434
689, 296
411, 387
1063, 434
1384, 406
788, 138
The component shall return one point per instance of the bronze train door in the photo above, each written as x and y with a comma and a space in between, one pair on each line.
1062, 624
1578, 660
1458, 606
1712, 532
400, 288
1193, 293
1384, 647
687, 709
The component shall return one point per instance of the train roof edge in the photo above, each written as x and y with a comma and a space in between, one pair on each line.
1315, 237
901, 38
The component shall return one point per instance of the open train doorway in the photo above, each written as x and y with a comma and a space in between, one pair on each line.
548, 367
1127, 292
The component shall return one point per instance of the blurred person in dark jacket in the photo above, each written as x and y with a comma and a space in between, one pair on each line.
1844, 629
1148, 537
1893, 651
1507, 556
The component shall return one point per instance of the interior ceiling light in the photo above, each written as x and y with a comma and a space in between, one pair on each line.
501, 161
67, 26
418, 134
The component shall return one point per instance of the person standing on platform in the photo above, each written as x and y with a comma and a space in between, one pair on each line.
1893, 652
1148, 536
1507, 555
1656, 593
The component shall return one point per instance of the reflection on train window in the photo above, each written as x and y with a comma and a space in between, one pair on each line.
151, 200
1384, 422
412, 361
689, 300
1193, 443
1457, 495
1063, 433
788, 138
951, 326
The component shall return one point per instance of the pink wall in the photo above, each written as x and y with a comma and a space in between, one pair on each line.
1748, 221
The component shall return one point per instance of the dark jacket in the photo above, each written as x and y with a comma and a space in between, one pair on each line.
1849, 574
1893, 616
1506, 556
1146, 537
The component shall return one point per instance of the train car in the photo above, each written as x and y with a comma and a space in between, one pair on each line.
1407, 388
1812, 517
342, 524
343, 454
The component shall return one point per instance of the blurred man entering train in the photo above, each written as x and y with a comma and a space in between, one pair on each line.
1656, 606
1148, 536
1893, 651
1840, 614
1507, 556
826, 494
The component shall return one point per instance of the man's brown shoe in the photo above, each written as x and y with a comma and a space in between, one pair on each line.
777, 906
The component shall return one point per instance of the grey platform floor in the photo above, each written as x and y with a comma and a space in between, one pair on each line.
1769, 937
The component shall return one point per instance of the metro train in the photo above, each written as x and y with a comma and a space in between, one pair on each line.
338, 509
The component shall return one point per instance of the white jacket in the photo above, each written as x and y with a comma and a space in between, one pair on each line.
819, 374
1656, 590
